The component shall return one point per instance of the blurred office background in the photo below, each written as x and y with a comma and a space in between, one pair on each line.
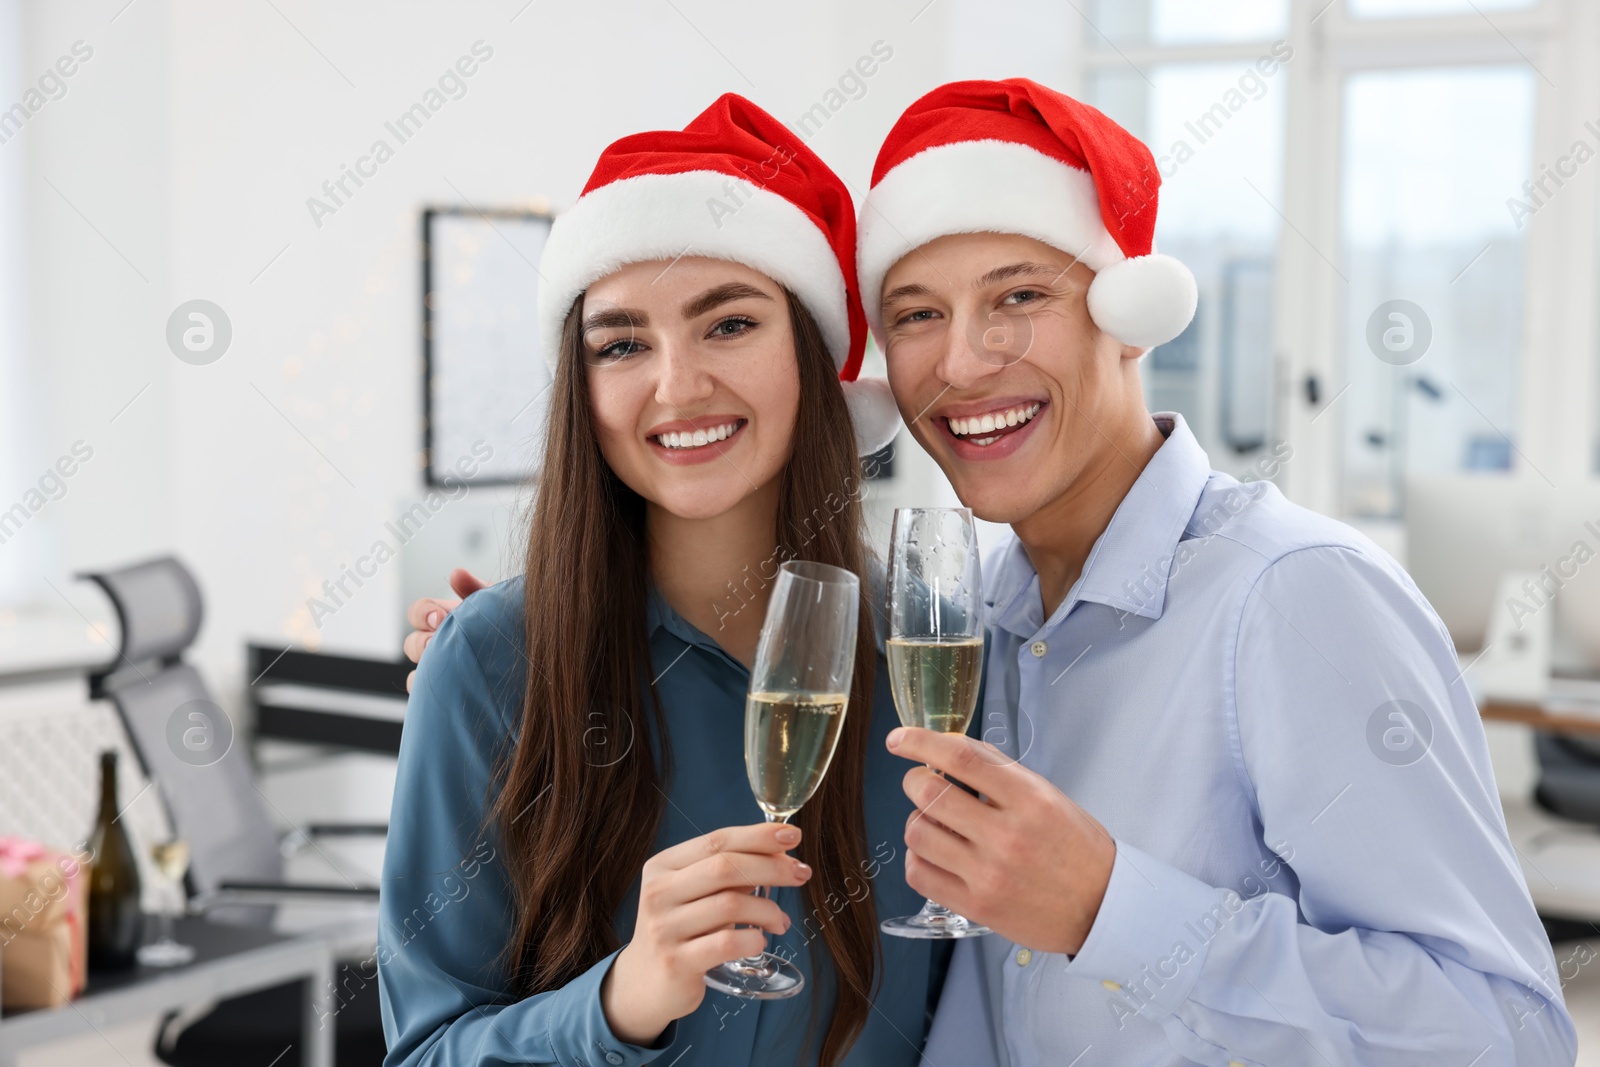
1390, 205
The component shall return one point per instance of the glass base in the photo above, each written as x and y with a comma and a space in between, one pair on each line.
165, 953
945, 926
763, 977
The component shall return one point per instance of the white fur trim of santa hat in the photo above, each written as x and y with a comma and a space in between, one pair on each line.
693, 213
993, 186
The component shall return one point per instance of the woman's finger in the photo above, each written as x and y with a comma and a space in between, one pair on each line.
742, 871
727, 908
704, 953
762, 837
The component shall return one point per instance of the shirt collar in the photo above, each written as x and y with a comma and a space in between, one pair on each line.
660, 615
1128, 567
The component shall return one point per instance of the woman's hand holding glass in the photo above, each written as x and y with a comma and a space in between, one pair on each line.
696, 910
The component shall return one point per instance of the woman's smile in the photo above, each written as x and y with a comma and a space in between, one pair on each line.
696, 440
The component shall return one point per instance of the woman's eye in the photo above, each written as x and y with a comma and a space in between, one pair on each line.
619, 349
732, 327
1022, 296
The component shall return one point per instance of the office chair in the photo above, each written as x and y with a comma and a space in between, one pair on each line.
186, 742
1569, 776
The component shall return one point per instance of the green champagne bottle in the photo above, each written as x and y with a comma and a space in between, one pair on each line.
116, 925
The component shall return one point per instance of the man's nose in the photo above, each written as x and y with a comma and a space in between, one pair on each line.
981, 344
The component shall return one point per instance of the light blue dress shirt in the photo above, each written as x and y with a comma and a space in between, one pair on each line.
1312, 865
445, 909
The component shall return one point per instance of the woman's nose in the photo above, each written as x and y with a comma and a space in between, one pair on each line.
683, 379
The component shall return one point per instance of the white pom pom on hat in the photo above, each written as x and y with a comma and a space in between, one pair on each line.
1143, 301
1016, 157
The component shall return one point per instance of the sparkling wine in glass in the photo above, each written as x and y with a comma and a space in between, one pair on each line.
935, 651
794, 715
172, 861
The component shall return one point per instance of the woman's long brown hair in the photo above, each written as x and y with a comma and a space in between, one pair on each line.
581, 796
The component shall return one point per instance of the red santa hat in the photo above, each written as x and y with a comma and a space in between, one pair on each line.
1015, 157
734, 184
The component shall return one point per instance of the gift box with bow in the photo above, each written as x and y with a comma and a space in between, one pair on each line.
43, 925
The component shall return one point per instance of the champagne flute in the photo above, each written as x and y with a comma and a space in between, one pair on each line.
935, 651
794, 714
172, 860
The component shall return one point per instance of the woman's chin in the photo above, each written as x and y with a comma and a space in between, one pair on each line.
699, 503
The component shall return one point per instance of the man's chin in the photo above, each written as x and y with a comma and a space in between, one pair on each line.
995, 503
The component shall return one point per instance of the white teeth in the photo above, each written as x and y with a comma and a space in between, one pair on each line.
995, 420
697, 438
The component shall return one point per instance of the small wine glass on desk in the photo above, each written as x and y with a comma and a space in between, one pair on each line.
171, 860
794, 714
935, 651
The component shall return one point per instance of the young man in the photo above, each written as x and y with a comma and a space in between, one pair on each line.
1237, 807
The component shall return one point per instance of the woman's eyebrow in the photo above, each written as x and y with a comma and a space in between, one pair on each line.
719, 295
616, 319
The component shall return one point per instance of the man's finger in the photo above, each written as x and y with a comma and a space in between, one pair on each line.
954, 808
426, 614
465, 583
933, 841
415, 643
937, 884
977, 763
409, 677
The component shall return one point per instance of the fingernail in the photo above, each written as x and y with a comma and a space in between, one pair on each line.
801, 870
788, 835
896, 735
433, 618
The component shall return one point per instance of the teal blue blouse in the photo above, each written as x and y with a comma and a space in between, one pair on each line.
446, 903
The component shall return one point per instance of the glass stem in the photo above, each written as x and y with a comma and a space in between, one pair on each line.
932, 909
759, 960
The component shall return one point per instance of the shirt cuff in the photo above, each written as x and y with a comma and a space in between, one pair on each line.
585, 1036
1148, 942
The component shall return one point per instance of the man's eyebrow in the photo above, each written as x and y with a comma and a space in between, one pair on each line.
1017, 270
616, 319
719, 295
901, 291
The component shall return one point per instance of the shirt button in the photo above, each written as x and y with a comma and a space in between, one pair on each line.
1038, 648
1023, 956
1109, 984
615, 1058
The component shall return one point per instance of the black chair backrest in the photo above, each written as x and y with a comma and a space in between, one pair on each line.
158, 606
184, 739
1569, 775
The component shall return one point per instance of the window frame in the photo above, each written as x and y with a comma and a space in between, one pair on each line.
1558, 365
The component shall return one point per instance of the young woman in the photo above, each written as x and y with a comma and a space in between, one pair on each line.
573, 841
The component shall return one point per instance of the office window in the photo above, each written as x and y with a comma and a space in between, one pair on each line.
1121, 23
1433, 263
1216, 130
1382, 9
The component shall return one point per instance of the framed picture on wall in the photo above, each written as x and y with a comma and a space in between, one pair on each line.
486, 389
